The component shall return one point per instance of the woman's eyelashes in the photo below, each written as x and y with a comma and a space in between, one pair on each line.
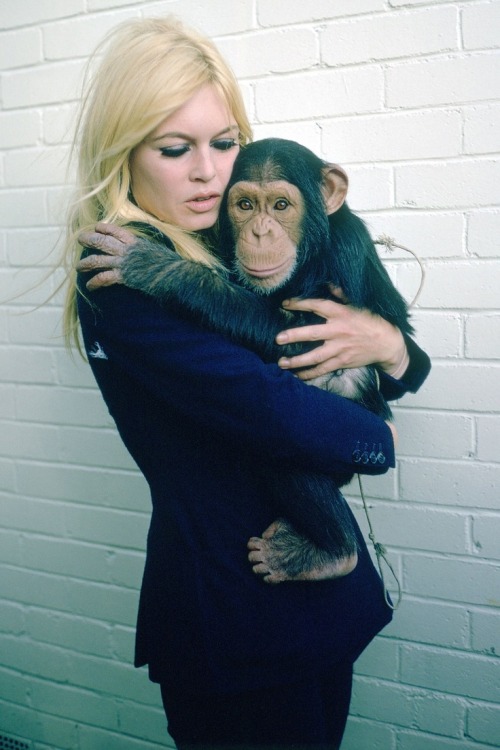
221, 144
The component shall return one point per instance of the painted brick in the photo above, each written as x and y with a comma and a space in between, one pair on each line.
12, 618
84, 485
270, 12
408, 707
70, 632
147, 722
31, 167
21, 208
429, 235
30, 247
26, 366
463, 484
73, 704
20, 48
78, 37
449, 185
19, 128
480, 25
26, 723
419, 528
418, 741
381, 660
459, 387
439, 333
486, 529
390, 35
457, 673
430, 622
488, 437
484, 234
61, 406
360, 733
457, 284
485, 626
483, 336
92, 738
66, 557
445, 81
266, 52
370, 188
483, 724
422, 434
308, 134
394, 136
481, 130
59, 124
213, 18
49, 84
32, 329
309, 95
472, 581
37, 11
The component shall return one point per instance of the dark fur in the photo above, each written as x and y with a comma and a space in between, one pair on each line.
335, 249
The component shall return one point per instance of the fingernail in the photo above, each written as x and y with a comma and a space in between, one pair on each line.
282, 338
285, 302
284, 363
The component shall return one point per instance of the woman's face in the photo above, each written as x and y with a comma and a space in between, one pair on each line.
180, 171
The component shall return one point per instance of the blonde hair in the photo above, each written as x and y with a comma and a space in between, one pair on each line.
151, 67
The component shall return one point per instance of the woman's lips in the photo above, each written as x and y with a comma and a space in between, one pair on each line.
203, 203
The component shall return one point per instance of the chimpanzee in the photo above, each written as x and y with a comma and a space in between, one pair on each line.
285, 231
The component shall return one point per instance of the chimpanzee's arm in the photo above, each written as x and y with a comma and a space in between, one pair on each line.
207, 294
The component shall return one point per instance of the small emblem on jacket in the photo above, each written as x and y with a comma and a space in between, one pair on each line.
97, 352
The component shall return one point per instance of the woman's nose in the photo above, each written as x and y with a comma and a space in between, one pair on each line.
203, 165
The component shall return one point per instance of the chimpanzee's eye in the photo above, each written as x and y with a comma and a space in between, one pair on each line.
281, 204
244, 204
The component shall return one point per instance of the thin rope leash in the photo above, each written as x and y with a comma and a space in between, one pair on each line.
380, 550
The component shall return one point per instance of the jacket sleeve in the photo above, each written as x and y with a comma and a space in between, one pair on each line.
229, 389
415, 375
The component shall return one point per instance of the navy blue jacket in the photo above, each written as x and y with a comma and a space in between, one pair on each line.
205, 419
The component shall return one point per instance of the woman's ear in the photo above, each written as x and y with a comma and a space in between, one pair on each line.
334, 187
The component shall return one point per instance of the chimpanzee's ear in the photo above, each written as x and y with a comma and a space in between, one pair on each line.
334, 188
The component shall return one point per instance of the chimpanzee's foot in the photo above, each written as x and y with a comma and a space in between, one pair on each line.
281, 554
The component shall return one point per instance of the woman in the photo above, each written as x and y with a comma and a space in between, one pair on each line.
240, 663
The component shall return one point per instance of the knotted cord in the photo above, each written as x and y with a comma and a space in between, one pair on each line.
380, 550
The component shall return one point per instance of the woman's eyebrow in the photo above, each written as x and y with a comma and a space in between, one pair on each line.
187, 137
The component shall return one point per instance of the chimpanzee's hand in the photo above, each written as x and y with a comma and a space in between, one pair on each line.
351, 338
115, 242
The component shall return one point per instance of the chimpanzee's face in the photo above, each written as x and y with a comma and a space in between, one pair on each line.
266, 220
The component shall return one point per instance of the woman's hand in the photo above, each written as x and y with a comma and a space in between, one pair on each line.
115, 242
351, 337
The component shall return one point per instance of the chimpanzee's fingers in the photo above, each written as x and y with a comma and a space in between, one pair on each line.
105, 242
105, 278
120, 233
96, 262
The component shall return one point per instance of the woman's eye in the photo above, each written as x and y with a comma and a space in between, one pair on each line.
174, 151
281, 204
244, 204
224, 144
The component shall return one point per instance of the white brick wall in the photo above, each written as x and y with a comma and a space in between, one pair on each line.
405, 94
